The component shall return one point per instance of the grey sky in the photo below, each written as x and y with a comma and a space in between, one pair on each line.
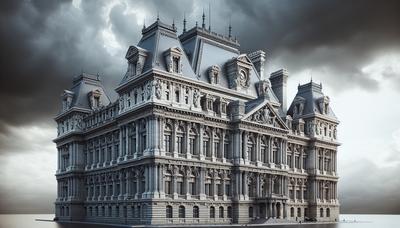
352, 47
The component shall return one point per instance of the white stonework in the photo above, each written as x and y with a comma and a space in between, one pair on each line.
197, 135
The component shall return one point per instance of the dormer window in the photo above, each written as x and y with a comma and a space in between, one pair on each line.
176, 64
136, 57
173, 60
94, 99
323, 104
213, 74
67, 99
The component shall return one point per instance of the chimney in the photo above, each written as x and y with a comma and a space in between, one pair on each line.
278, 81
258, 60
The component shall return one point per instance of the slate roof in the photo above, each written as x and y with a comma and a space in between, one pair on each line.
84, 84
310, 93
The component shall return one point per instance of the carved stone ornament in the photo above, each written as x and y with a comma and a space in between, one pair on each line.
196, 96
157, 86
213, 74
238, 72
263, 116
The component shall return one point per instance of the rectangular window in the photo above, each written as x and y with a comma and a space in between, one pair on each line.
228, 189
179, 186
297, 162
208, 189
192, 146
167, 140
220, 190
192, 188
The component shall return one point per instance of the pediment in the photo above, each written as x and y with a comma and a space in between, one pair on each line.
265, 114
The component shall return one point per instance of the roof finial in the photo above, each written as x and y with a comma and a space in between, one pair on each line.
144, 23
209, 17
203, 25
230, 29
184, 22
197, 24
158, 15
173, 23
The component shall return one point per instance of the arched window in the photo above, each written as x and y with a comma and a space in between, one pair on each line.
250, 212
139, 211
328, 212
125, 214
180, 140
168, 138
299, 212
109, 211
168, 211
97, 211
221, 212
292, 212
196, 212
321, 212
103, 211
276, 186
117, 211
67, 211
212, 212
230, 212
181, 212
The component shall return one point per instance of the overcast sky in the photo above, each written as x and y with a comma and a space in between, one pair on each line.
352, 47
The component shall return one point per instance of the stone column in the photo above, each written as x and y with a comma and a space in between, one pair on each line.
200, 147
258, 185
245, 150
174, 146
202, 183
245, 187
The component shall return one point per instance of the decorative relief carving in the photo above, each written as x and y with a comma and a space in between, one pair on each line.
213, 74
238, 70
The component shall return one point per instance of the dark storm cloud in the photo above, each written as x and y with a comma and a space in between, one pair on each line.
45, 43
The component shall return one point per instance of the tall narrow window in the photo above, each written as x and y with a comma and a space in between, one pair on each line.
195, 212
168, 211
181, 212
221, 212
212, 212
206, 144
176, 65
177, 96
180, 140
168, 138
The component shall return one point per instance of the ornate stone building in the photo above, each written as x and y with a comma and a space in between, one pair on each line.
197, 135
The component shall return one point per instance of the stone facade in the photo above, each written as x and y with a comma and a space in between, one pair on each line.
197, 135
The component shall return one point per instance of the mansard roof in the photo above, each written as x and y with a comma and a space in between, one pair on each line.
201, 50
83, 84
158, 38
310, 95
